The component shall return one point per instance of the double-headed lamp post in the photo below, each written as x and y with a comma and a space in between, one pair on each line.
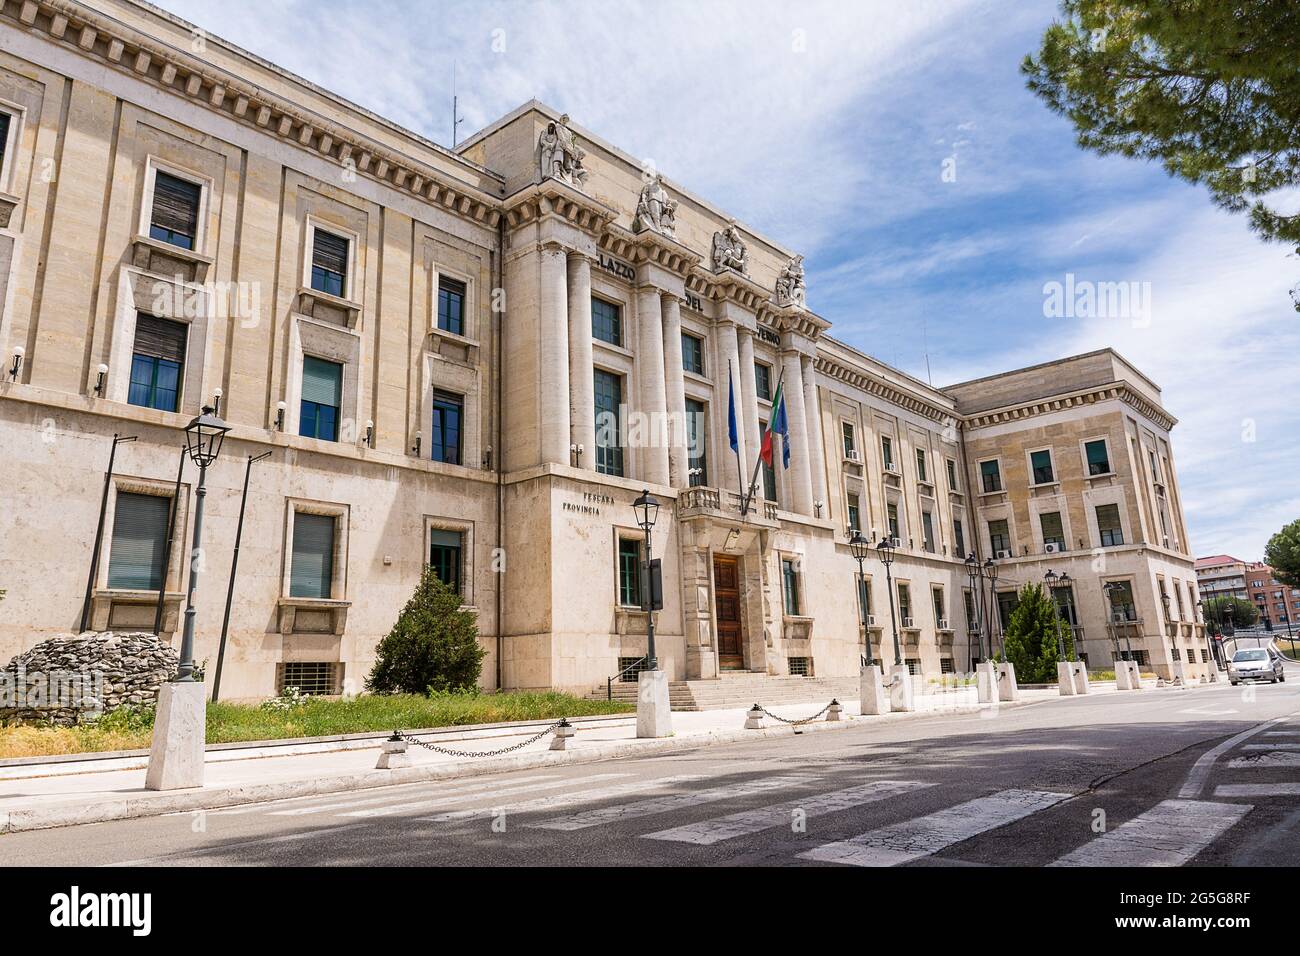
995, 611
203, 438
885, 550
977, 600
861, 548
1050, 579
646, 508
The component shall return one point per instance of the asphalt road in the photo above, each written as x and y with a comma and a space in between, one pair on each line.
1210, 776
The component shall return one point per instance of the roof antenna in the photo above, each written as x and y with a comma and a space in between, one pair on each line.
925, 347
456, 118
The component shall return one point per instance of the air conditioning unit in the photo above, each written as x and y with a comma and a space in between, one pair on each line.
943, 624
908, 622
871, 620
1003, 555
895, 542
1051, 548
853, 455
891, 466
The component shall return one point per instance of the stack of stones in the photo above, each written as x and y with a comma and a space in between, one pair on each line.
70, 679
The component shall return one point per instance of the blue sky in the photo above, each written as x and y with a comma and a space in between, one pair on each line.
827, 126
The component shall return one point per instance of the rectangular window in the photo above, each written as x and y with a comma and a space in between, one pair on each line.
329, 263
322, 391
790, 586
1098, 459
1007, 601
763, 381
138, 559
891, 512
940, 613
445, 548
1120, 596
696, 443
1053, 532
921, 474
769, 471
451, 306
968, 600
959, 538
448, 419
887, 452
946, 666
156, 361
174, 218
913, 666
312, 678
4, 141
952, 474
692, 354
850, 439
904, 601
1065, 607
311, 575
606, 321
999, 536
609, 423
927, 530
991, 476
864, 597
629, 572
1108, 525
855, 513
1041, 464
800, 666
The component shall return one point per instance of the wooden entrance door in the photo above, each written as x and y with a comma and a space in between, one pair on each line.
726, 609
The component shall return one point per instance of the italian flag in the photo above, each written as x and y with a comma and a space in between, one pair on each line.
779, 425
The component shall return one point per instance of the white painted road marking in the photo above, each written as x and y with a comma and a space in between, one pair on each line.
202, 852
1169, 834
1209, 712
455, 789
567, 799
1268, 760
1258, 790
654, 805
708, 832
432, 803
1275, 746
1196, 777
925, 836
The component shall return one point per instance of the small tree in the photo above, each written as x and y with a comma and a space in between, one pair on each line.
432, 647
1030, 639
1222, 610
1282, 553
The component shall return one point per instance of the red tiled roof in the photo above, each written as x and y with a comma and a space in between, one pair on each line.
1217, 559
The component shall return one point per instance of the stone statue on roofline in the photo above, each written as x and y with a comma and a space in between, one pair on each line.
558, 154
729, 251
790, 285
655, 211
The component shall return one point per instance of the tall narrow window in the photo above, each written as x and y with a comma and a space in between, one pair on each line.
991, 476
999, 536
1120, 595
1108, 526
790, 586
445, 548
850, 439
629, 572
311, 575
927, 530
1098, 457
940, 614
968, 602
952, 474
322, 390
904, 602
959, 537
606, 321
451, 305
174, 218
855, 513
696, 443
1007, 601
448, 415
5, 125
1041, 464
609, 428
921, 474
138, 559
1053, 531
156, 361
763, 381
887, 452
891, 512
692, 354
329, 263
864, 598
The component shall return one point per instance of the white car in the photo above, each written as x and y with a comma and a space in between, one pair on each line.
1255, 663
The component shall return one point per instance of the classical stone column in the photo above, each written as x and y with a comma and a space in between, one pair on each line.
649, 432
747, 398
675, 391
812, 407
553, 355
729, 350
800, 473
582, 406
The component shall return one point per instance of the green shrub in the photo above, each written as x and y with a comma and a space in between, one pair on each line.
432, 647
1031, 635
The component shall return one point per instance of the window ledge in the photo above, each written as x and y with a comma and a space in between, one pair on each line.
1043, 485
698, 377
146, 251
300, 615
8, 203
123, 610
465, 340
322, 305
611, 347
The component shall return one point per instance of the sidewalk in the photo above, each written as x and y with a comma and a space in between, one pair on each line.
74, 792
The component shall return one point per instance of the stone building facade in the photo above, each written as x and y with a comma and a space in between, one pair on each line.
477, 360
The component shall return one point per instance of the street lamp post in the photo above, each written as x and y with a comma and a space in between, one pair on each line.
1050, 579
860, 548
977, 600
995, 612
647, 512
885, 550
203, 437
1066, 584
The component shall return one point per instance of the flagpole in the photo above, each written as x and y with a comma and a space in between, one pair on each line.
758, 459
731, 413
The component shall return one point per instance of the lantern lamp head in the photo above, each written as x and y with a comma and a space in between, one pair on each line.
859, 546
647, 510
203, 437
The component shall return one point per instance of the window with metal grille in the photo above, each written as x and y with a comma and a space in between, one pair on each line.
1177, 654
606, 321
991, 476
609, 425
316, 678
1108, 526
1098, 457
451, 305
175, 215
763, 381
1041, 464
629, 668
322, 394
800, 666
138, 555
311, 574
445, 548
329, 263
913, 665
790, 586
448, 414
946, 666
156, 361
696, 442
1142, 658
692, 354
629, 572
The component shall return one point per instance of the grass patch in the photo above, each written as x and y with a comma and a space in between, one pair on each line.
312, 717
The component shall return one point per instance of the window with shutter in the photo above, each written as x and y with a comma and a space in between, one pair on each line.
311, 575
137, 559
329, 263
175, 215
156, 361
445, 556
322, 394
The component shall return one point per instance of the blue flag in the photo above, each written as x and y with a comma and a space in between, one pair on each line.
732, 430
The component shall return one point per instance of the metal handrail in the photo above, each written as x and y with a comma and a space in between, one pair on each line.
609, 681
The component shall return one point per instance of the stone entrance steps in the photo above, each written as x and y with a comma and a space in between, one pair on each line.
742, 688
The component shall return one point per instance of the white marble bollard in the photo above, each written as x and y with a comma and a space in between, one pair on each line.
1008, 689
1080, 677
1180, 674
393, 756
986, 682
1064, 678
563, 734
754, 718
835, 711
900, 689
176, 753
871, 689
1127, 676
653, 710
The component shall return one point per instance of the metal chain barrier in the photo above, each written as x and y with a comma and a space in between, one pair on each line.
410, 739
806, 720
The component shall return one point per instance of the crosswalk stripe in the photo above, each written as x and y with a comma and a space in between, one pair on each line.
925, 836
654, 805
1282, 733
1269, 759
1169, 834
1258, 790
746, 822
1276, 746
431, 803
566, 799
478, 783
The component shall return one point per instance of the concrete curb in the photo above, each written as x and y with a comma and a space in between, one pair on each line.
157, 804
